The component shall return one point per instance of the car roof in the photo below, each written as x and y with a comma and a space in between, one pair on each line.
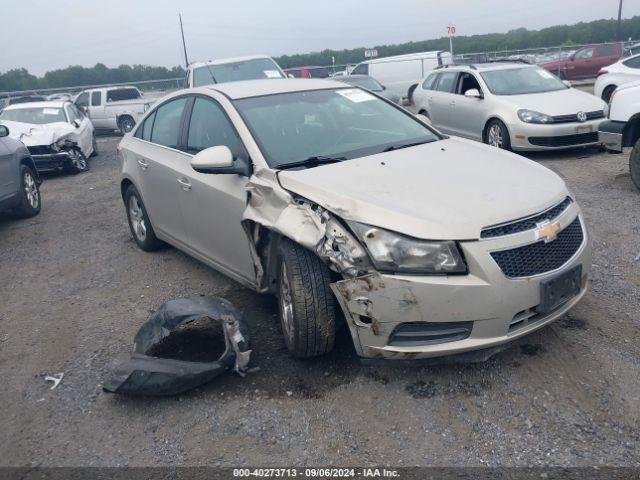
257, 88
222, 61
50, 103
487, 66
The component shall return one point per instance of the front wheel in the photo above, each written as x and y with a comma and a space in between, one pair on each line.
497, 135
606, 94
30, 200
634, 164
78, 162
306, 303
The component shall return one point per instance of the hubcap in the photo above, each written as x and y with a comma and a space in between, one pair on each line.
495, 136
136, 217
286, 303
127, 126
78, 160
31, 190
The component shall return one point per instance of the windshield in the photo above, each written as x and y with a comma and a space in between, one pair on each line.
233, 72
38, 116
519, 81
364, 82
342, 124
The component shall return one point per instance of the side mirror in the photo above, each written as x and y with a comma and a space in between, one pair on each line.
4, 131
473, 93
383, 87
220, 160
76, 123
567, 83
289, 75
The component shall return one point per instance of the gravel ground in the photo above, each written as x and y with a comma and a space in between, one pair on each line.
74, 289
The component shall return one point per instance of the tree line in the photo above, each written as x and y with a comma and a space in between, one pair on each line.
597, 31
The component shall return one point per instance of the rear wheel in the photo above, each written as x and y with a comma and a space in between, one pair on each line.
634, 164
30, 201
126, 124
607, 92
306, 303
497, 135
139, 223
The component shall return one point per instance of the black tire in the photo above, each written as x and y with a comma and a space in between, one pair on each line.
634, 164
79, 162
126, 124
505, 143
311, 328
30, 199
606, 93
94, 144
144, 237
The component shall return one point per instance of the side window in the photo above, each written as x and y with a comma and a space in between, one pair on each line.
166, 127
362, 69
467, 82
446, 81
584, 53
633, 62
210, 127
96, 99
430, 81
607, 50
144, 130
83, 100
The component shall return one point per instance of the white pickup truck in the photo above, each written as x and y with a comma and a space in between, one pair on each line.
113, 107
622, 129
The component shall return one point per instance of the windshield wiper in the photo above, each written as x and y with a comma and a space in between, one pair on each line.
406, 145
312, 162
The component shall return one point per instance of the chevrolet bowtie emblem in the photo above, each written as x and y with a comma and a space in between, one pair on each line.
547, 231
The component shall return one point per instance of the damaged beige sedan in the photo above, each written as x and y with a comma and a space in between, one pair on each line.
350, 209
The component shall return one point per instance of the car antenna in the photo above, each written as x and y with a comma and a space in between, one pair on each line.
184, 45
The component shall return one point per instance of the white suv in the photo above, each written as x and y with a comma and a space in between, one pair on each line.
320, 192
236, 69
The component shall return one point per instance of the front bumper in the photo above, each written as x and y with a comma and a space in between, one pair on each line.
51, 162
531, 137
491, 304
611, 133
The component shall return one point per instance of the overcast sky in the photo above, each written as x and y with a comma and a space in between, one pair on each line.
41, 35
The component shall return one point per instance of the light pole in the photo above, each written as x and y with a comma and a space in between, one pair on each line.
619, 26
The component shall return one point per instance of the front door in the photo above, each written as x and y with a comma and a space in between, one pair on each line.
468, 113
212, 204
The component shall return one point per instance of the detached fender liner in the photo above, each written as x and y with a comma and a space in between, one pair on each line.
143, 374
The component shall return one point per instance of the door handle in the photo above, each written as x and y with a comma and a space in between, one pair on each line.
186, 186
452, 103
143, 165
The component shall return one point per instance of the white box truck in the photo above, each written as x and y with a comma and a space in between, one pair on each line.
399, 73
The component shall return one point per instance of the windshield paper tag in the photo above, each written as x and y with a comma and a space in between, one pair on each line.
50, 111
355, 95
544, 74
272, 74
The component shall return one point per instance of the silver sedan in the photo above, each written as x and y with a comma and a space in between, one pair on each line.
509, 105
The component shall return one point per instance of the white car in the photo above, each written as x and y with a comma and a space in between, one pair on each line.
622, 129
58, 135
510, 105
611, 77
321, 192
235, 69
113, 108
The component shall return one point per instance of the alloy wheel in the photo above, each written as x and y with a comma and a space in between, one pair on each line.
31, 190
136, 217
78, 160
494, 137
286, 303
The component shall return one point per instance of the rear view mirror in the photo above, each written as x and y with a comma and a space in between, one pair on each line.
219, 159
473, 93
4, 131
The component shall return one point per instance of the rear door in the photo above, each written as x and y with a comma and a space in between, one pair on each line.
604, 56
7, 175
212, 204
442, 99
159, 163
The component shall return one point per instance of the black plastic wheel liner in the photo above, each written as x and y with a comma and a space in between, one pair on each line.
142, 374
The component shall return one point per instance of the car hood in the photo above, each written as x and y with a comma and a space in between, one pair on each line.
36, 135
561, 102
448, 189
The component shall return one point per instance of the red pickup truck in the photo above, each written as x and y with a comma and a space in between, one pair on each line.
586, 61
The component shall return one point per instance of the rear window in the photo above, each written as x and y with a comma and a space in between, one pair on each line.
633, 62
122, 94
255, 69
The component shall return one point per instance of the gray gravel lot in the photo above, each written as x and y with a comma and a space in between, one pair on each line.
74, 289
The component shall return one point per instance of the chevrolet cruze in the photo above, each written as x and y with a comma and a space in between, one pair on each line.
350, 209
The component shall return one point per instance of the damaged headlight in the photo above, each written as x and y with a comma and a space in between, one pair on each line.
391, 251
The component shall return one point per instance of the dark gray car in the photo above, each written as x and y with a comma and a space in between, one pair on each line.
19, 180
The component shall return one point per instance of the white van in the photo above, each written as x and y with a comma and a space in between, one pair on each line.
232, 70
399, 73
